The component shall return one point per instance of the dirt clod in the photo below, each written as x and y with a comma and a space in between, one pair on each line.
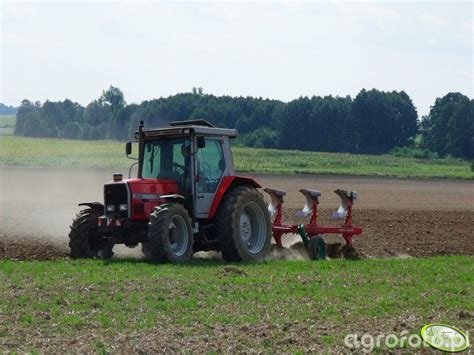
334, 250
350, 253
232, 270
465, 315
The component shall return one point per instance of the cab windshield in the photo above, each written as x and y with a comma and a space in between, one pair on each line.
168, 159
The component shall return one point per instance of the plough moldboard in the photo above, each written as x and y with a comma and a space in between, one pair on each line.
312, 232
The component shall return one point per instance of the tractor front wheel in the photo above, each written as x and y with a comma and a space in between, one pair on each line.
243, 225
170, 234
84, 238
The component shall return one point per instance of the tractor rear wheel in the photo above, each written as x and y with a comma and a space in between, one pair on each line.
317, 248
84, 238
170, 234
243, 225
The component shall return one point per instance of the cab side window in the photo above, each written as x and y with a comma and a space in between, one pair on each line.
211, 165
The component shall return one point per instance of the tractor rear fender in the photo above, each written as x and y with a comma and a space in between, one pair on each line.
97, 206
178, 199
228, 183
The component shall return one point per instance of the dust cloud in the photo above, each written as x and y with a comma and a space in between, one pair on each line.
37, 205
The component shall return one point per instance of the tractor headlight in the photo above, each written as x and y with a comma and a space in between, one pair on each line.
123, 207
110, 208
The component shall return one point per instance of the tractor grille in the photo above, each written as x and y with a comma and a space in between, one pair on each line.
116, 195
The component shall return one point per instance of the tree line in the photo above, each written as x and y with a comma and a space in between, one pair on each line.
7, 110
374, 122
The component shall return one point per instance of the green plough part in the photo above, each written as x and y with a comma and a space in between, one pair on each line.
303, 235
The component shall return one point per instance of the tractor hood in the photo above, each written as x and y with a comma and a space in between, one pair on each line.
138, 195
149, 189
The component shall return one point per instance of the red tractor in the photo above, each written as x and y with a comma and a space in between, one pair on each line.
186, 198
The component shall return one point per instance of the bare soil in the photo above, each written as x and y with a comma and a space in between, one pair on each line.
400, 217
31, 250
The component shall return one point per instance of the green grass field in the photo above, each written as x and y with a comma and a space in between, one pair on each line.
7, 125
23, 151
210, 306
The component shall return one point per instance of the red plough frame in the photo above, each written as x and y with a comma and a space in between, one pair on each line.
347, 230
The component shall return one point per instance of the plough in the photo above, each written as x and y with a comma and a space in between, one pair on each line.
311, 233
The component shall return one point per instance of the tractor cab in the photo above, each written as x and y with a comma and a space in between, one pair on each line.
193, 155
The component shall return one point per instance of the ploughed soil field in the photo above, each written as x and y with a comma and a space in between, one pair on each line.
400, 217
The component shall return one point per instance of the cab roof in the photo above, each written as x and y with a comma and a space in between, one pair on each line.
185, 128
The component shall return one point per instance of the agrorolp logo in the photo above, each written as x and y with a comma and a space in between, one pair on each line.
438, 336
444, 337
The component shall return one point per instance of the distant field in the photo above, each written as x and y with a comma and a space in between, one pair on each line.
110, 154
207, 306
7, 124
298, 162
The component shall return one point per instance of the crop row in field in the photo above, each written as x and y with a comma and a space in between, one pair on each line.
110, 154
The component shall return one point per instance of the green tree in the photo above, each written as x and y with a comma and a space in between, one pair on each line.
460, 134
383, 120
445, 130
120, 123
114, 97
33, 122
72, 130
261, 138
97, 114
405, 118
295, 125
26, 111
372, 118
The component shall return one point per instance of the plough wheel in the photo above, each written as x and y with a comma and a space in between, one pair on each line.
317, 248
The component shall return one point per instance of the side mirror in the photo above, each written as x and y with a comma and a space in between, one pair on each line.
201, 142
128, 148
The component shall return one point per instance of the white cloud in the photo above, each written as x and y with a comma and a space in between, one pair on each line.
280, 50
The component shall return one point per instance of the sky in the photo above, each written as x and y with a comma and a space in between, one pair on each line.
279, 50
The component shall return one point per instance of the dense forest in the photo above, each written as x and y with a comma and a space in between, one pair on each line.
373, 122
